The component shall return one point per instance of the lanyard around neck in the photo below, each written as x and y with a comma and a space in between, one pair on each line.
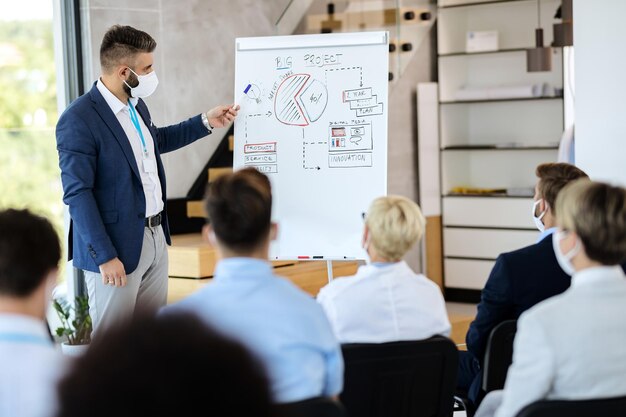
135, 120
24, 338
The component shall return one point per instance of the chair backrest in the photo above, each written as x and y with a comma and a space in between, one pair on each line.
498, 355
50, 334
314, 407
606, 407
400, 379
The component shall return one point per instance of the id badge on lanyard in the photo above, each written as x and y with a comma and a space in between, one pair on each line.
149, 165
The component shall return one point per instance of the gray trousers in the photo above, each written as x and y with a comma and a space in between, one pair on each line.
146, 288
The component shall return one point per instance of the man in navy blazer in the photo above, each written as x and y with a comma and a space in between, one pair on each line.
519, 279
114, 182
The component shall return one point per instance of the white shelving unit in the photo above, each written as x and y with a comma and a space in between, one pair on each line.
492, 143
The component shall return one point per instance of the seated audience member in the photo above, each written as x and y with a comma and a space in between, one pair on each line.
519, 279
170, 365
283, 326
386, 301
572, 346
29, 363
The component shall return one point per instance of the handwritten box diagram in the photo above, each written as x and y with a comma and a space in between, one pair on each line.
355, 137
363, 102
350, 160
261, 156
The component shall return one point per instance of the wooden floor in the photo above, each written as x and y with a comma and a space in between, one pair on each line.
310, 276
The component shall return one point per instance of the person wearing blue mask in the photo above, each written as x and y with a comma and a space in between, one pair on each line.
519, 279
571, 346
114, 181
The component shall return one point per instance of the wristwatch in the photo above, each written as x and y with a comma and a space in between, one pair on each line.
205, 122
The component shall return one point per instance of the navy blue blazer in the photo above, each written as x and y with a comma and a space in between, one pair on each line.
101, 181
519, 280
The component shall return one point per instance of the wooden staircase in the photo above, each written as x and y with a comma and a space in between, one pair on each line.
190, 255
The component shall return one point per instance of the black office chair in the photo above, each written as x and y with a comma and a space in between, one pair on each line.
314, 407
400, 379
498, 355
50, 333
607, 407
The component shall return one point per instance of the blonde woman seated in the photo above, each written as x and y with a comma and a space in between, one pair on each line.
386, 301
571, 346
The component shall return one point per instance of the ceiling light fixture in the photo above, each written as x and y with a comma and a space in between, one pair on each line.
539, 58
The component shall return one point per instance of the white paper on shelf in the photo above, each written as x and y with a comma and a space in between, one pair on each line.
516, 91
469, 93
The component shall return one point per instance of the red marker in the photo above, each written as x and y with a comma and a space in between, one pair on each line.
303, 257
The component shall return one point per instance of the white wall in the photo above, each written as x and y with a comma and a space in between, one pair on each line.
600, 67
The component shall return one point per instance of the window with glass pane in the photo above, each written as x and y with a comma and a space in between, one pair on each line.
29, 170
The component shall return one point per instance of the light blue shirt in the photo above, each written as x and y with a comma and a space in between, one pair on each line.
546, 233
30, 367
281, 325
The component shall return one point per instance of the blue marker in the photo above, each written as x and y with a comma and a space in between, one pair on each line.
242, 97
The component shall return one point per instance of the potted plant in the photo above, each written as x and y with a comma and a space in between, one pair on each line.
75, 328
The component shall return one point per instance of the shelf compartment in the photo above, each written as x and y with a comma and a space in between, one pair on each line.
531, 123
492, 70
496, 211
500, 100
511, 20
466, 273
479, 169
485, 243
485, 195
464, 3
499, 51
498, 148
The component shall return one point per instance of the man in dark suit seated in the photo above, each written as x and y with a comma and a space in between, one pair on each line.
519, 279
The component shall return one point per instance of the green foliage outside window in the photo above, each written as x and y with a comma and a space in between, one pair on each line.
29, 169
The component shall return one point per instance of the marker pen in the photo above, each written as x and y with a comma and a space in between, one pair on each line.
242, 97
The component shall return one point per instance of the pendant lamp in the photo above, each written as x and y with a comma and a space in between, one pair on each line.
539, 58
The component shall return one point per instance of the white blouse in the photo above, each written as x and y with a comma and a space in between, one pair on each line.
384, 303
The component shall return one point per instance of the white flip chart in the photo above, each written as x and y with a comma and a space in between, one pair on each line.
314, 119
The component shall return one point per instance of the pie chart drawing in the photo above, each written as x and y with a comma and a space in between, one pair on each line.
300, 100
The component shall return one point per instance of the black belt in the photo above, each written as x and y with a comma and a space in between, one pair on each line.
154, 221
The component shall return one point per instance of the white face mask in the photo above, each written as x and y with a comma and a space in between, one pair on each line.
146, 85
538, 223
564, 260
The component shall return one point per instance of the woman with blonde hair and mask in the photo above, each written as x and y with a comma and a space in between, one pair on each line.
386, 301
570, 346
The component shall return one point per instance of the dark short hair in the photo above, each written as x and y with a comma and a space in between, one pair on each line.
29, 250
239, 207
553, 177
596, 212
121, 43
166, 365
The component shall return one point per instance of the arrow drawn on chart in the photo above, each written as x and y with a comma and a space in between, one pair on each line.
345, 69
268, 114
304, 146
